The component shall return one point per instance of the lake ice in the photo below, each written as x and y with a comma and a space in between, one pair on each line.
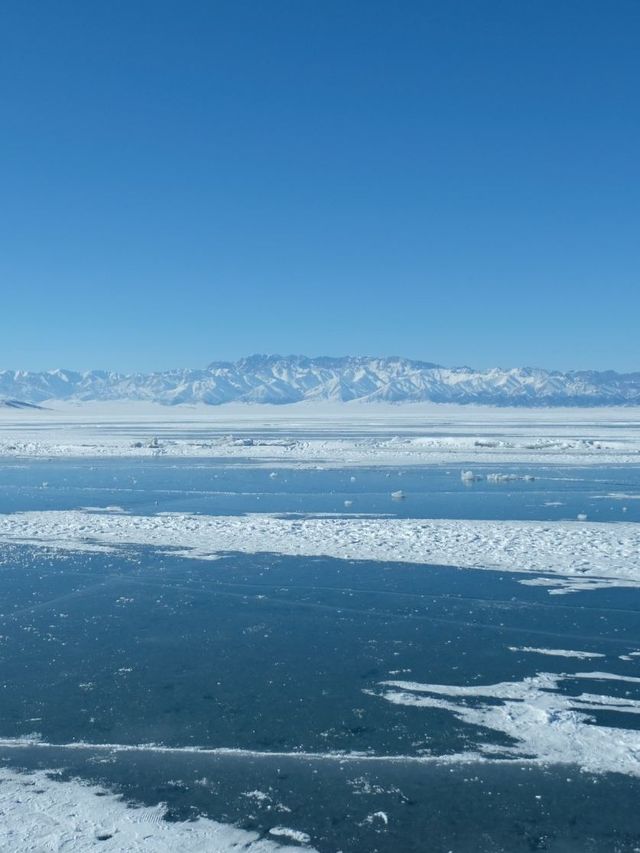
309, 688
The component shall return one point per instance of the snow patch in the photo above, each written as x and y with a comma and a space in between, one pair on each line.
574, 556
544, 724
561, 653
41, 813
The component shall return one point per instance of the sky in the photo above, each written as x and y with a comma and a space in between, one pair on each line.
456, 181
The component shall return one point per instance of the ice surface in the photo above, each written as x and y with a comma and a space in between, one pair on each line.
537, 717
578, 555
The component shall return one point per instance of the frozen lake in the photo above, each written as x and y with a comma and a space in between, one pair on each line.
314, 701
216, 487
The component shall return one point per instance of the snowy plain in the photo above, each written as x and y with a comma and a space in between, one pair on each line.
329, 434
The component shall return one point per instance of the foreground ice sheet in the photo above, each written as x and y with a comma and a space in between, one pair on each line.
39, 813
578, 555
545, 724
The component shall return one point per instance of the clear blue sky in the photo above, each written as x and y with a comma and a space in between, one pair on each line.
187, 181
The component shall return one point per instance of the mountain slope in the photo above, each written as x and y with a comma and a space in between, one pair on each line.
289, 379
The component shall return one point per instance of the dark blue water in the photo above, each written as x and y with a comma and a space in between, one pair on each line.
273, 655
271, 652
152, 485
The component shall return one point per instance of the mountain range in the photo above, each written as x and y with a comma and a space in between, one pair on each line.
290, 379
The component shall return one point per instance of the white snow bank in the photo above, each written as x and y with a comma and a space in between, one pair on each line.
545, 724
41, 813
576, 555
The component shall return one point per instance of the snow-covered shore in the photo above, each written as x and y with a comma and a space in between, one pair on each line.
327, 434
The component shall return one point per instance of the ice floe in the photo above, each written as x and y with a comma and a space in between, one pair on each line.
291, 834
561, 653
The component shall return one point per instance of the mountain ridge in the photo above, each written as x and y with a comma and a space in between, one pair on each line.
289, 379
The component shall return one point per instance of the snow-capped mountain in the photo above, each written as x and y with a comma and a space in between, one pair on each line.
289, 379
